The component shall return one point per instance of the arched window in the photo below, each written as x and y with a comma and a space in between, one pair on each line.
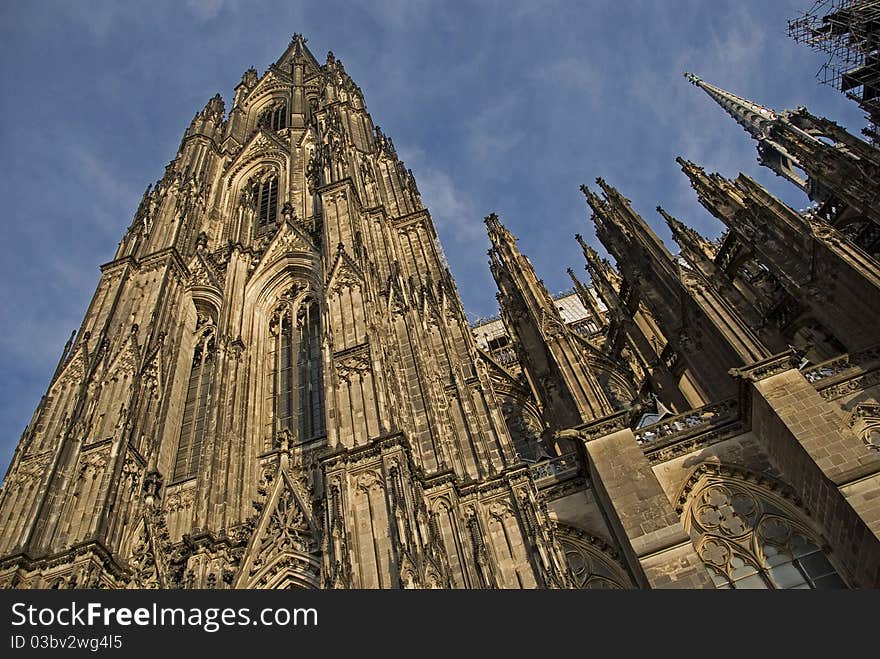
748, 542
192, 430
275, 118
264, 196
589, 564
298, 388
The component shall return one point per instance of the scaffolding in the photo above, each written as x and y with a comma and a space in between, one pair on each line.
848, 33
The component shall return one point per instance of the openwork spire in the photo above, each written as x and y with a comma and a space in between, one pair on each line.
753, 117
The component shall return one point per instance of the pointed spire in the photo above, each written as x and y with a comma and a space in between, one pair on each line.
595, 201
687, 238
763, 125
681, 231
614, 207
498, 233
600, 277
599, 268
611, 193
700, 181
215, 109
296, 51
299, 45
674, 225
718, 195
589, 253
754, 118
250, 77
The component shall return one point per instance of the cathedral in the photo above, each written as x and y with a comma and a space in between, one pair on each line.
276, 386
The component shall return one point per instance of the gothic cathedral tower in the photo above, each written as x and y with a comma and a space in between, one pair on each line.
275, 384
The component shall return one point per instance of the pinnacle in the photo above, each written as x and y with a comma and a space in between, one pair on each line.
497, 231
609, 190
297, 51
693, 171
584, 246
676, 226
592, 198
671, 221
688, 165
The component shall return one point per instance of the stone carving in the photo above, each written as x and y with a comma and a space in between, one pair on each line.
369, 480
287, 530
865, 422
30, 470
499, 511
354, 363
91, 465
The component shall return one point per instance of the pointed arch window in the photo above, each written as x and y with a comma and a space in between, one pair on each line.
590, 567
298, 386
748, 542
274, 118
264, 197
192, 429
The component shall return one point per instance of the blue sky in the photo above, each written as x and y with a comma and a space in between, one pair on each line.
496, 106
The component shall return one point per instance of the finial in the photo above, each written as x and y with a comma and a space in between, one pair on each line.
249, 78
214, 109
607, 189
673, 224
692, 78
593, 200
687, 165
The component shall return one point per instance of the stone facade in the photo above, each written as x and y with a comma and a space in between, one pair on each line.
276, 386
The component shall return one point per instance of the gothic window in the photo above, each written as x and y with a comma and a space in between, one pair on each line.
192, 430
298, 388
275, 118
748, 542
589, 566
264, 196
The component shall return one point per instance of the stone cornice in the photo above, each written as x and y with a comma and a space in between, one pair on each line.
768, 367
604, 426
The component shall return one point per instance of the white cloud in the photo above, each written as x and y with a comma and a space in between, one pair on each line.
496, 128
205, 10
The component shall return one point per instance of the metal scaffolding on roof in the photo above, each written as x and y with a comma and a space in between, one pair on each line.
848, 32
